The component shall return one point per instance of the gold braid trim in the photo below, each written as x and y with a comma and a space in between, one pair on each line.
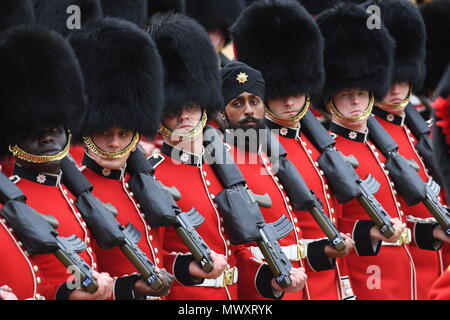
23, 155
364, 115
289, 122
90, 144
401, 104
166, 132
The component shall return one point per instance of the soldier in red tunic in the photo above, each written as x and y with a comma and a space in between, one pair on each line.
121, 107
405, 24
349, 94
283, 42
243, 91
44, 94
192, 89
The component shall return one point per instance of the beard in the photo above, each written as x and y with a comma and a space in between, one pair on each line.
245, 134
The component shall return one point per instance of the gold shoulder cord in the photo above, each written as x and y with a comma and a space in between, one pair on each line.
180, 137
289, 122
23, 155
401, 104
90, 144
364, 115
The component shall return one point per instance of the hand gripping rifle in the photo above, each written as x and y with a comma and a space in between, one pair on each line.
407, 181
241, 213
342, 177
105, 228
158, 204
39, 237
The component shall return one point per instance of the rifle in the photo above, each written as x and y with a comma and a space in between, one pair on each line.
421, 131
38, 237
242, 215
302, 198
160, 209
407, 181
342, 177
105, 228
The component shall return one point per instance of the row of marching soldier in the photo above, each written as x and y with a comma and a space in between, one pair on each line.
142, 159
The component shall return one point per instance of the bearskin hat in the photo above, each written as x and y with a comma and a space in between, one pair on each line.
15, 12
165, 6
355, 56
131, 10
191, 65
315, 7
41, 83
53, 13
215, 15
405, 24
282, 40
123, 74
436, 15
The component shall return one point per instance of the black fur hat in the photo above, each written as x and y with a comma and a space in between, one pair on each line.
405, 24
131, 10
53, 13
355, 56
315, 7
123, 74
15, 12
164, 6
41, 83
436, 15
282, 40
191, 65
215, 14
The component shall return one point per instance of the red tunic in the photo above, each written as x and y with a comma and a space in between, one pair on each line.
198, 186
390, 275
441, 287
18, 271
111, 186
327, 284
46, 195
428, 263
261, 181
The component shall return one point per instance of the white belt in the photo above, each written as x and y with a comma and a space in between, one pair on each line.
405, 238
294, 252
227, 278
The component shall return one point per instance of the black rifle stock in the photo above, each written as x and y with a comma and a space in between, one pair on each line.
105, 228
302, 198
242, 215
407, 181
342, 177
38, 237
159, 206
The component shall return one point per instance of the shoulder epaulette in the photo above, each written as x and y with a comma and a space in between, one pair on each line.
156, 159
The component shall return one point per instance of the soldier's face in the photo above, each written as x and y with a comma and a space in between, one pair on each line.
246, 111
351, 103
49, 142
287, 107
185, 121
112, 140
397, 93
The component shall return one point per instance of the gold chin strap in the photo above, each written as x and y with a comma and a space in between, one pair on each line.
289, 122
90, 144
166, 132
23, 155
364, 115
401, 104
